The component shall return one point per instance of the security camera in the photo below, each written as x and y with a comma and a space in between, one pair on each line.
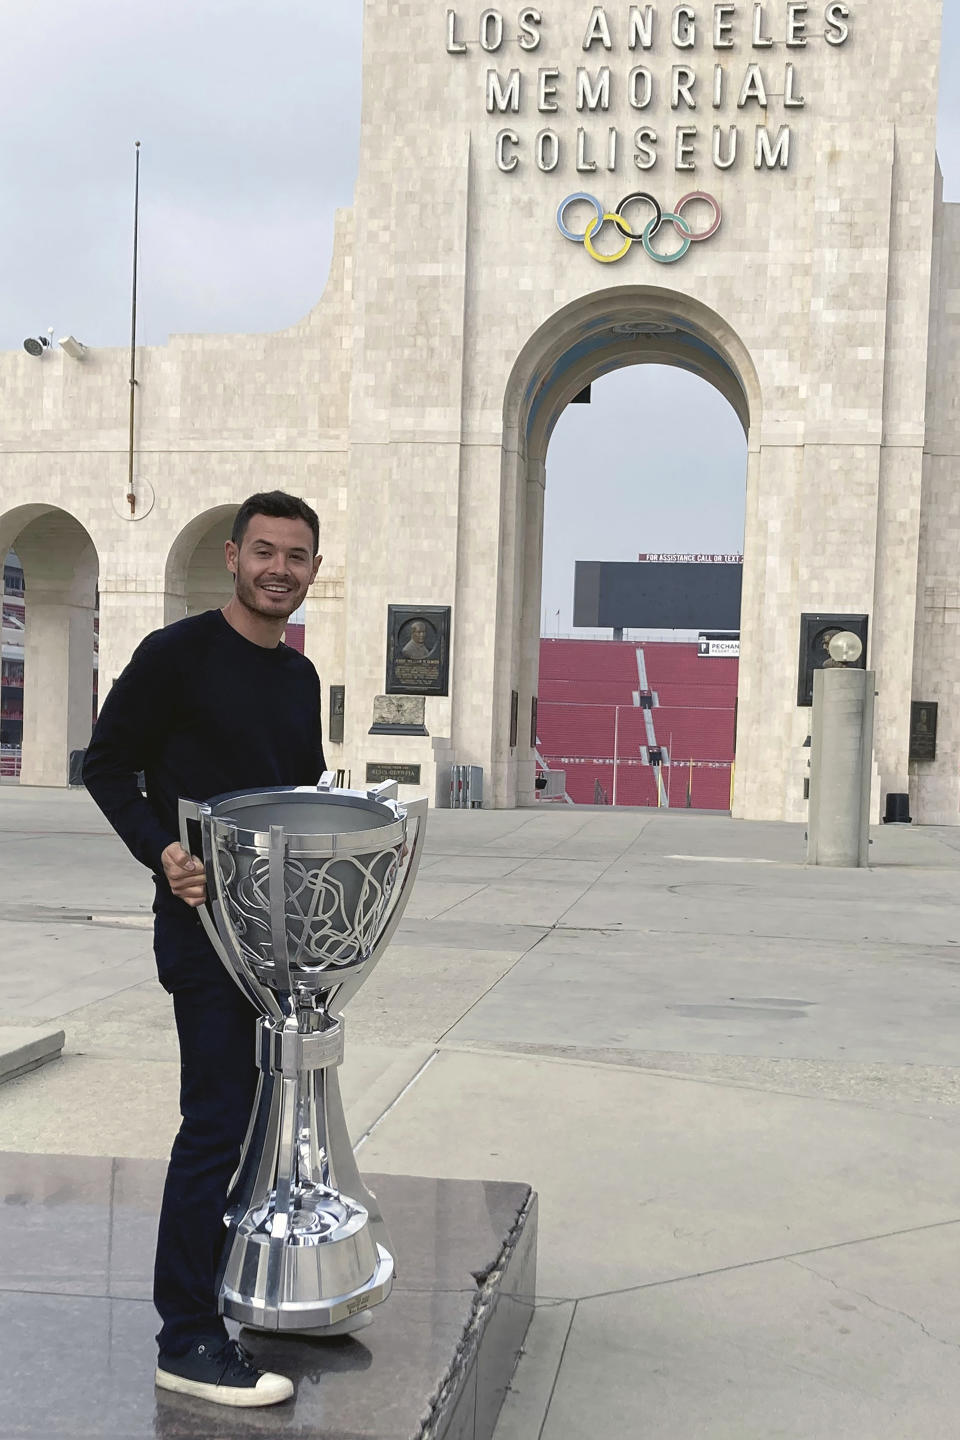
36, 346
73, 347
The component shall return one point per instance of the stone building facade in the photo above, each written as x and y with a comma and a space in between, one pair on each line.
468, 303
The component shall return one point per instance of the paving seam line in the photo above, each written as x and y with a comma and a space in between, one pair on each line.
465, 1048
791, 1256
396, 1101
492, 986
553, 1387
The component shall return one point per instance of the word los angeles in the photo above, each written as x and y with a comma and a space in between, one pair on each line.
595, 88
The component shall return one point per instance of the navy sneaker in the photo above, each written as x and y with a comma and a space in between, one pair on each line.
223, 1373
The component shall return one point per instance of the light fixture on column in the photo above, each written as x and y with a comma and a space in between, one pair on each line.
36, 345
845, 648
73, 347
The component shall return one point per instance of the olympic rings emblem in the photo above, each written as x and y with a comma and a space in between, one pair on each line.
644, 237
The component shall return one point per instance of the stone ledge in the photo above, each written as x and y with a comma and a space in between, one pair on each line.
24, 1048
434, 1364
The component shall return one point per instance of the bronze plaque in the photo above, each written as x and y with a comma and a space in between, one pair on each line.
403, 774
335, 728
816, 632
418, 649
923, 730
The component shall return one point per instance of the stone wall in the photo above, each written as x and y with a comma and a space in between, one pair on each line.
935, 785
217, 418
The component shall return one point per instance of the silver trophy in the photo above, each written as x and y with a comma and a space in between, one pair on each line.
305, 888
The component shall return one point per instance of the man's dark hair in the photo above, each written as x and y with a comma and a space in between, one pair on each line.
279, 506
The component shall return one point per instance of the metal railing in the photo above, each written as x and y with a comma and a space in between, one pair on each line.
10, 763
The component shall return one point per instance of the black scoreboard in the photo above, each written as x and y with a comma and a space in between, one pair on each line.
645, 595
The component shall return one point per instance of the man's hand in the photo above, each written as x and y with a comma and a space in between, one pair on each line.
185, 874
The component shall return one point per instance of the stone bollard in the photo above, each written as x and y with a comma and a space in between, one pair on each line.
840, 767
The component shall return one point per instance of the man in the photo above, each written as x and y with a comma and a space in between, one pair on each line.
828, 663
210, 704
416, 647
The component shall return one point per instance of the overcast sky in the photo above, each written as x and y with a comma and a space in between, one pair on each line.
250, 135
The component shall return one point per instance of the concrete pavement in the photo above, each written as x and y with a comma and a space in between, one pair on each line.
733, 1080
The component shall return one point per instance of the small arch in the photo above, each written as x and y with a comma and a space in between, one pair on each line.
196, 576
61, 569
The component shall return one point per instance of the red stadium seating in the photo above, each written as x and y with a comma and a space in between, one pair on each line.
588, 712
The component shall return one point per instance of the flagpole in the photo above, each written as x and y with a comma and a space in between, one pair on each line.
131, 492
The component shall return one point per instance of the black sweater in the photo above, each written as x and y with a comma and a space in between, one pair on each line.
201, 711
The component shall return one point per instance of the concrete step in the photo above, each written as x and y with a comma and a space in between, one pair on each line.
25, 1047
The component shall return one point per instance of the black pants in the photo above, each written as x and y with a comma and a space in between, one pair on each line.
216, 1025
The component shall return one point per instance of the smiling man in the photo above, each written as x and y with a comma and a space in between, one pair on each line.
210, 704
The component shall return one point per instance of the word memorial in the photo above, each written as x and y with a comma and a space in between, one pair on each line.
737, 89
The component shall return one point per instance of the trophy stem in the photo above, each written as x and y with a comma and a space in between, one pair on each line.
284, 1192
348, 1174
302, 1223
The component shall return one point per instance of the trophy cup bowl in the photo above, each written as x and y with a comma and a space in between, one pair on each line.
305, 888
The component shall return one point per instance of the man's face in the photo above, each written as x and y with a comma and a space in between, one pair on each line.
418, 633
274, 565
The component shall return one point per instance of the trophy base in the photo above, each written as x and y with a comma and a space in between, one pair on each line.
349, 1326
312, 1313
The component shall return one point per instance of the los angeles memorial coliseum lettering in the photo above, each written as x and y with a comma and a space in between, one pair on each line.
628, 69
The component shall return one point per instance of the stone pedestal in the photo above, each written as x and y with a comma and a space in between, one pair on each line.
76, 1255
841, 768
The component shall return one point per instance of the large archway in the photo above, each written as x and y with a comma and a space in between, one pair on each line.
60, 571
576, 347
636, 706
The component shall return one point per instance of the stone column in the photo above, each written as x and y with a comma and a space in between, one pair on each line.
130, 608
57, 673
841, 767
487, 600
324, 646
530, 628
